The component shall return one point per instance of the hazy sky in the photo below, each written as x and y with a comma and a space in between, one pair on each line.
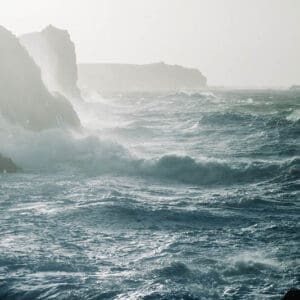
233, 42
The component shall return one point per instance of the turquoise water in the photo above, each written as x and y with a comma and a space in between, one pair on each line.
185, 196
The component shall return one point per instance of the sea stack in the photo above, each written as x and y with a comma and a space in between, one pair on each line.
295, 88
24, 99
54, 52
7, 165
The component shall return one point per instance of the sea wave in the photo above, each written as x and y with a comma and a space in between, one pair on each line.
249, 262
279, 119
187, 170
294, 116
56, 150
194, 94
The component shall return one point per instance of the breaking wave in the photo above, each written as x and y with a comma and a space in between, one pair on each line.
56, 150
165, 199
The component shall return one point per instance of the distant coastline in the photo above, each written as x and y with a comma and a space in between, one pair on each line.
295, 88
109, 78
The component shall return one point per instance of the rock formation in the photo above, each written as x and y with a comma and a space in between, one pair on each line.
293, 294
24, 99
7, 165
158, 77
295, 88
54, 52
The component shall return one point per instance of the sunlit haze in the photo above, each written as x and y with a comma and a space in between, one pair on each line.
233, 42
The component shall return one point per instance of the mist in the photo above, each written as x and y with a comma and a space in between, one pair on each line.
233, 42
149, 149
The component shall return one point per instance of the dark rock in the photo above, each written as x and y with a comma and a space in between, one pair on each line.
7, 165
295, 88
293, 294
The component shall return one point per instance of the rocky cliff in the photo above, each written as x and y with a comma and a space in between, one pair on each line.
158, 77
54, 52
24, 99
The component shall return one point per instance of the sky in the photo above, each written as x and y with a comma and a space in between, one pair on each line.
232, 42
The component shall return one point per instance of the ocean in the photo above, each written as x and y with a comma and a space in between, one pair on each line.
180, 196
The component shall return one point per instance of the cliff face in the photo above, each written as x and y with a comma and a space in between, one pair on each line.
54, 52
159, 77
24, 99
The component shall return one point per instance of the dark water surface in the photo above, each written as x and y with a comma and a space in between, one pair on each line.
185, 196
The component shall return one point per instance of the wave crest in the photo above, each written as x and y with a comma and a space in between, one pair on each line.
58, 149
185, 169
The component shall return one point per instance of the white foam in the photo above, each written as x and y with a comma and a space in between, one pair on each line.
294, 116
